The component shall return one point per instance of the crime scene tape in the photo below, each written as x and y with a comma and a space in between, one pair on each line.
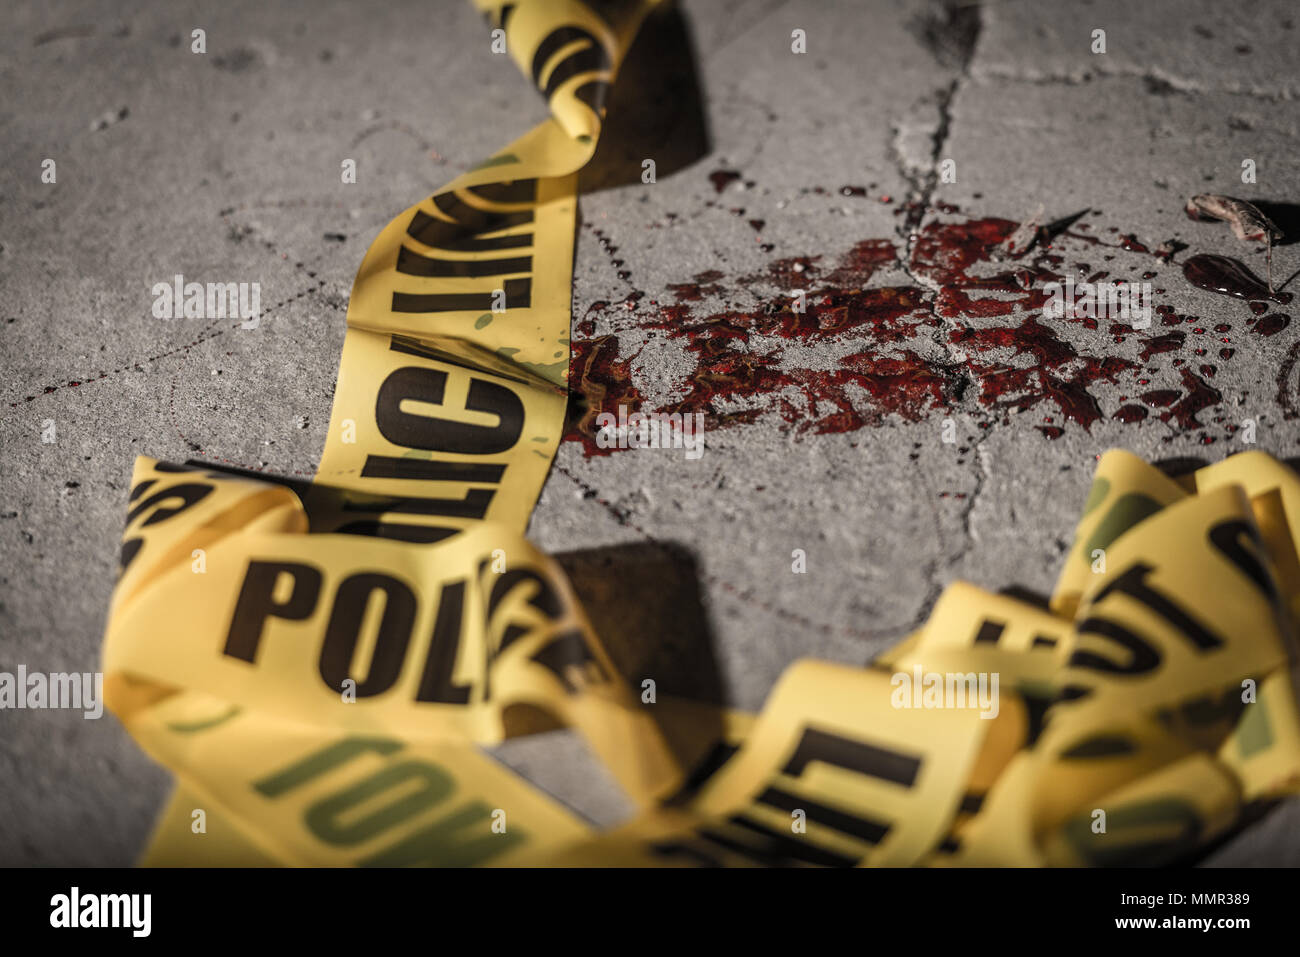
320, 663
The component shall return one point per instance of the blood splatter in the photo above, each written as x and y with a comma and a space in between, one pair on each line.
1198, 397
1272, 324
1228, 277
722, 178
705, 284
1130, 413
970, 326
1169, 342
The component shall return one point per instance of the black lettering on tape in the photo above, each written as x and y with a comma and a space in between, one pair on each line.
424, 470
188, 493
519, 295
130, 549
332, 818
864, 829
591, 58
1241, 544
398, 532
545, 599
1133, 582
436, 434
568, 658
441, 234
344, 629
1144, 656
857, 756
436, 684
257, 603
411, 263
321, 762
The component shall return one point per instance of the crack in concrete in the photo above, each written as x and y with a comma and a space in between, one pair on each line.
982, 475
922, 184
934, 589
951, 34
920, 197
1158, 82
936, 569
952, 38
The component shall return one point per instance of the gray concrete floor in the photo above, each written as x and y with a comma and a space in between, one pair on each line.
226, 166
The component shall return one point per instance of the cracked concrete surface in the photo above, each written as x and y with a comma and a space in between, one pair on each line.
1246, 48
226, 166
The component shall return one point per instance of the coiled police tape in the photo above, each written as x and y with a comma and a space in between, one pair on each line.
322, 689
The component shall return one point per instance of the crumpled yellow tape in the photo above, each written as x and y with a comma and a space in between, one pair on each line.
321, 663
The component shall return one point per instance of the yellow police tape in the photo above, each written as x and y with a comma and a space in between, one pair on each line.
319, 663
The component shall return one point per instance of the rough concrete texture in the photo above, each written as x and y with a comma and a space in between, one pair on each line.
226, 166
